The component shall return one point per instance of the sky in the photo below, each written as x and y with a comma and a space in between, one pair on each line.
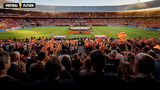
82, 2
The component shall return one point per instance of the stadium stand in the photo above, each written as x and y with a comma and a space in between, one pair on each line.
142, 18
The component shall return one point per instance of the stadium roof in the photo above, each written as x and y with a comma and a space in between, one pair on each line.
82, 2
49, 8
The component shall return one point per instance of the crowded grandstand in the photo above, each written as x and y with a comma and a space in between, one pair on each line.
101, 62
141, 18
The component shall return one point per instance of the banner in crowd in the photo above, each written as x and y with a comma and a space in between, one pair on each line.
157, 47
75, 36
103, 36
59, 36
122, 35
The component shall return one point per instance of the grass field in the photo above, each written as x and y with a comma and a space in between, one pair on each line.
110, 31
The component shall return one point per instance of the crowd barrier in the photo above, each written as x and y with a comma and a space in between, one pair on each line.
15, 28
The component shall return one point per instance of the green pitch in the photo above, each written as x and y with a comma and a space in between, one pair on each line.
110, 31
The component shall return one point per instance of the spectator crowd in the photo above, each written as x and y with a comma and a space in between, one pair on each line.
85, 63
17, 18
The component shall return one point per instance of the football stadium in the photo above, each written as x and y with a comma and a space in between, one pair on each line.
83, 44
